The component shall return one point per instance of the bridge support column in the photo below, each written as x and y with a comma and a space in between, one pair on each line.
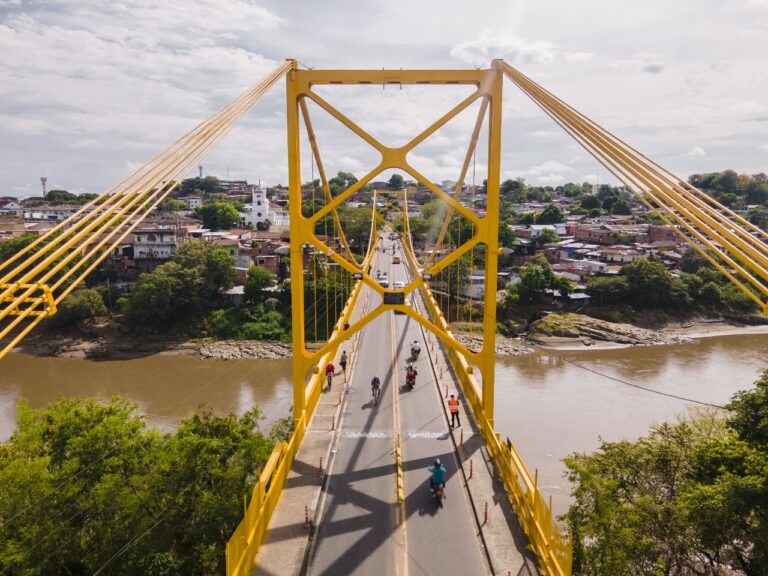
297, 233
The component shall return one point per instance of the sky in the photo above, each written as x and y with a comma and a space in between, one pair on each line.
91, 89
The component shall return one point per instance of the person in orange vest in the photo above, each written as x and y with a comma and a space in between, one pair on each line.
453, 407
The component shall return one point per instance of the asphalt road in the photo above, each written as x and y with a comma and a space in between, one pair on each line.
363, 528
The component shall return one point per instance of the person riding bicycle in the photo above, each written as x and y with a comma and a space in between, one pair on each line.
438, 475
375, 386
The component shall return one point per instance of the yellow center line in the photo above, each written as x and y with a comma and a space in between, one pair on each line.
399, 473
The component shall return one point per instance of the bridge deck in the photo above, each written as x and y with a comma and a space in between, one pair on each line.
360, 525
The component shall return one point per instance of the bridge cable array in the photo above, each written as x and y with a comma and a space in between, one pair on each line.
723, 236
54, 264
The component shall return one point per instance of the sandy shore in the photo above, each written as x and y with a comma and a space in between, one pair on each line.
694, 331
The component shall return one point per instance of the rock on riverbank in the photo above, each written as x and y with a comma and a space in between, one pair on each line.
123, 349
504, 346
559, 328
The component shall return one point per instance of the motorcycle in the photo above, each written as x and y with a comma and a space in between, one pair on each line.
439, 494
410, 379
415, 352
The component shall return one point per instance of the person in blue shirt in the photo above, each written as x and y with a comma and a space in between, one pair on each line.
438, 475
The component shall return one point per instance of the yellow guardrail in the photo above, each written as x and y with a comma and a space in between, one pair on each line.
553, 548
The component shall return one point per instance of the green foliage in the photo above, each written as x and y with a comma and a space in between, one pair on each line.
733, 189
649, 282
258, 279
690, 498
608, 289
205, 187
506, 235
621, 207
81, 480
396, 182
218, 215
536, 277
178, 293
264, 225
340, 182
552, 214
546, 236
171, 205
80, 305
11, 247
590, 201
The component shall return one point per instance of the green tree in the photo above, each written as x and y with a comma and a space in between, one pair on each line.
100, 479
264, 225
341, 182
218, 215
258, 280
692, 261
178, 293
80, 305
649, 282
608, 289
506, 236
536, 277
590, 201
552, 214
546, 236
214, 264
396, 182
621, 207
61, 197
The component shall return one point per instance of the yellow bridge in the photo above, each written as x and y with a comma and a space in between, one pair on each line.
368, 508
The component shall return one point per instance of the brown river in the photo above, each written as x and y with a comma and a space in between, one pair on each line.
550, 406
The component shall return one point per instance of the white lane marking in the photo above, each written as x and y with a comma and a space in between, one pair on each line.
427, 435
374, 434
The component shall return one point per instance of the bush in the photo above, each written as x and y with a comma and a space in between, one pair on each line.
80, 305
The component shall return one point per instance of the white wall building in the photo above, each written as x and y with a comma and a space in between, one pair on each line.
154, 243
262, 209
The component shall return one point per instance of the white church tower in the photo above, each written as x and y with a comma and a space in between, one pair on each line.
259, 205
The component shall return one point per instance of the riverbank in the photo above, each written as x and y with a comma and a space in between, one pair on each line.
576, 332
563, 332
115, 348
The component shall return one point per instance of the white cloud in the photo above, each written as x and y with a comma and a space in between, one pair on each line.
696, 151
548, 167
764, 147
579, 56
490, 45
641, 62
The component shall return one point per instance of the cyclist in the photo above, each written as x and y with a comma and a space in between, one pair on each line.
375, 389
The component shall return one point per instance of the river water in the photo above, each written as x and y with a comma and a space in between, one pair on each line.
549, 403
166, 388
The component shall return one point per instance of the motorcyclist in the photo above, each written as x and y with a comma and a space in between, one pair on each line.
415, 349
330, 372
438, 475
410, 374
375, 386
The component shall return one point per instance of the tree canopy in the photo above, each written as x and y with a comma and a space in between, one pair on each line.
218, 215
689, 498
81, 481
179, 292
